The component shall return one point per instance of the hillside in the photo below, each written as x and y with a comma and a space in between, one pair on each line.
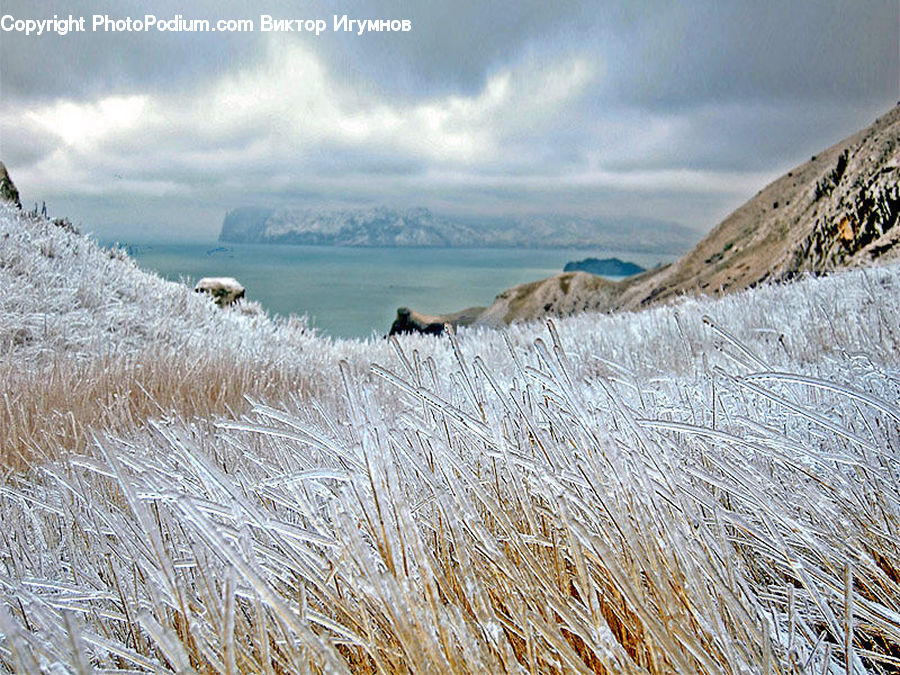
701, 488
89, 340
838, 210
383, 226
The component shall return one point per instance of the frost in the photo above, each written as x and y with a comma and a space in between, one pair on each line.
710, 487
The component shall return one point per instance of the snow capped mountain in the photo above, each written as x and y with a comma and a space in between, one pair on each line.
371, 227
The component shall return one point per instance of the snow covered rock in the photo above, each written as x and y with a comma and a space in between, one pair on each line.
225, 290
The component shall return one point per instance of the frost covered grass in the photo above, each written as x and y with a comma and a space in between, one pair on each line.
58, 404
711, 487
90, 342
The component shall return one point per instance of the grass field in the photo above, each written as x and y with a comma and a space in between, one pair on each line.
703, 488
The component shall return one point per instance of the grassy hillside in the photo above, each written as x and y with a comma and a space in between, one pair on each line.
839, 210
700, 488
91, 341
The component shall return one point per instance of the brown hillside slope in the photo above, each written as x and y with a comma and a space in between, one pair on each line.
838, 210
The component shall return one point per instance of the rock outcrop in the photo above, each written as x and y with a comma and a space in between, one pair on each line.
410, 321
840, 209
8, 190
381, 226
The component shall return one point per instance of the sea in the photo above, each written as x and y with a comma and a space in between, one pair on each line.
355, 292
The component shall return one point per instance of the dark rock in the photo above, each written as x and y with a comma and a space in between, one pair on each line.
8, 190
610, 267
410, 321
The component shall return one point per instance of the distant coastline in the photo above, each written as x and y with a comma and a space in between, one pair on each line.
419, 227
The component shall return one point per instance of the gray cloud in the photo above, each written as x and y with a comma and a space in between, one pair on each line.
649, 109
89, 64
760, 51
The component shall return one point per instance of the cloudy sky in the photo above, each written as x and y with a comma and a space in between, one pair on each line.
664, 110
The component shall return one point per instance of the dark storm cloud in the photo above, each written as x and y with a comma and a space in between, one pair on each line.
661, 53
451, 48
454, 44
44, 67
766, 50
658, 109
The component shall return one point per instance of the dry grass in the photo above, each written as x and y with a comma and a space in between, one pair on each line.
459, 518
59, 404
651, 493
90, 343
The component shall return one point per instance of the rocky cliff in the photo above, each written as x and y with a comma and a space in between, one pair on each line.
343, 227
840, 209
382, 226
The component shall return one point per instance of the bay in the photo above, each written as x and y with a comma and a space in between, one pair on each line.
355, 292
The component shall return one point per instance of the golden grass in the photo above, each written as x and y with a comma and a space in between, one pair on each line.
56, 405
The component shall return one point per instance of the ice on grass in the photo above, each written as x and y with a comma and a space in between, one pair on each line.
701, 488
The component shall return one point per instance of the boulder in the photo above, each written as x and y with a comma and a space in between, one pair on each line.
8, 191
410, 321
225, 290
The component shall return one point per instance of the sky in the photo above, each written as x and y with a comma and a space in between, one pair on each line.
670, 111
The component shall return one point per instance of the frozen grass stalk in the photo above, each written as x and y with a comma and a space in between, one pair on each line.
194, 490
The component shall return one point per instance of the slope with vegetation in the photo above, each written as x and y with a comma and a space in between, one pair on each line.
90, 341
838, 210
700, 488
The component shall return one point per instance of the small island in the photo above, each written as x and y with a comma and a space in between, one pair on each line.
608, 267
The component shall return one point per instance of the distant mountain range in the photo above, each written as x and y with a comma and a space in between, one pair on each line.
382, 226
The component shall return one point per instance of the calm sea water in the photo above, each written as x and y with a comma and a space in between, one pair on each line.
353, 292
